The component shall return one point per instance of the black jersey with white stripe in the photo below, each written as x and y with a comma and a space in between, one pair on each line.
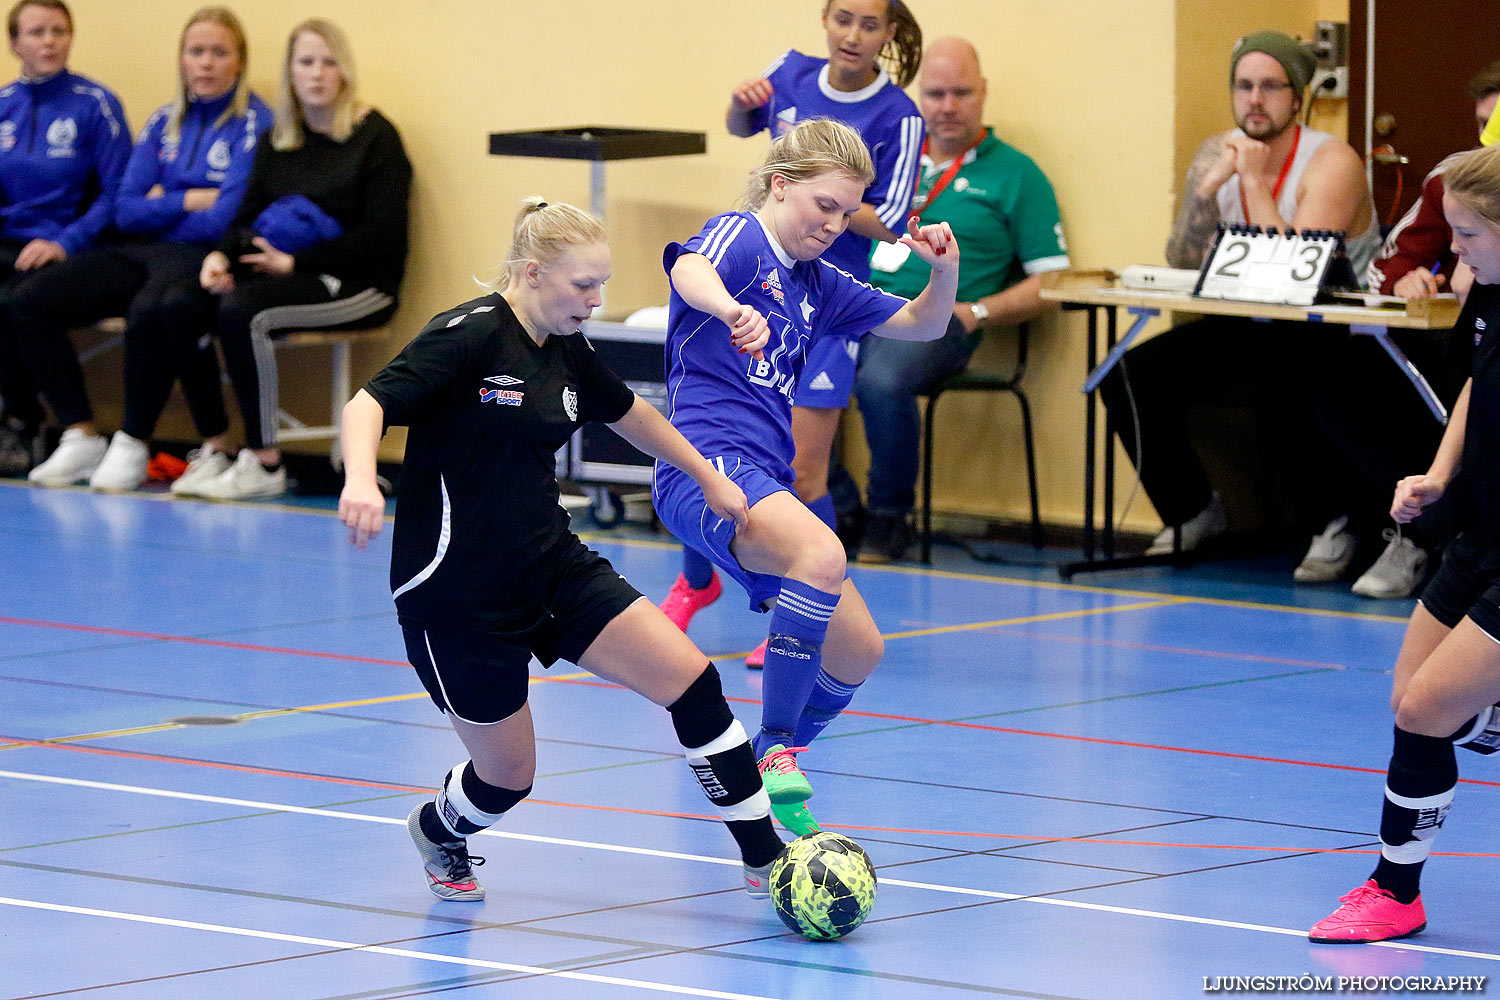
1478, 480
477, 511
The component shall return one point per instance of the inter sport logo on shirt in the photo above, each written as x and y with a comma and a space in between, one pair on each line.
505, 397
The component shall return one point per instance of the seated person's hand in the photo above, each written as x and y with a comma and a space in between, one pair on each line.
1219, 172
214, 275
39, 253
199, 199
268, 260
1419, 283
156, 191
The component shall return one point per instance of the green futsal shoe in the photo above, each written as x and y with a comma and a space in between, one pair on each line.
788, 789
783, 779
796, 818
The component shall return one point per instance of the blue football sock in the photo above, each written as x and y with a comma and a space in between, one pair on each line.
829, 697
696, 568
794, 658
823, 507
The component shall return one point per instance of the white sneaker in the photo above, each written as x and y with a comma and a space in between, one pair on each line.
78, 454
1396, 573
1328, 555
204, 464
246, 479
124, 464
1208, 523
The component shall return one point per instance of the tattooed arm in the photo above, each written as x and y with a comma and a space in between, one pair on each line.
1198, 216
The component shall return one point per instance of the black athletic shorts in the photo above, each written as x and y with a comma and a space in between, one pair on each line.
1467, 583
481, 677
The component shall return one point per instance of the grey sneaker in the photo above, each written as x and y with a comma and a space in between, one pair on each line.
1209, 522
758, 880
1328, 555
78, 454
1396, 573
450, 866
204, 464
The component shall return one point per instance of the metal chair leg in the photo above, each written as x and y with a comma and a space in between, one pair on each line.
1037, 539
927, 478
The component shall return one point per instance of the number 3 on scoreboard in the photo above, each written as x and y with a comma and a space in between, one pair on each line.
1311, 256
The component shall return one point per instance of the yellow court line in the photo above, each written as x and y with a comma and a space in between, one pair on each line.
267, 714
1031, 619
944, 574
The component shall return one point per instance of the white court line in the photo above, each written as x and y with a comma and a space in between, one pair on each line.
622, 849
375, 949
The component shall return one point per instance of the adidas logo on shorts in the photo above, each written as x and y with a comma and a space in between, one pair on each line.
821, 381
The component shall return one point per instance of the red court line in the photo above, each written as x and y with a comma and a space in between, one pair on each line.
751, 701
131, 634
1075, 738
1042, 840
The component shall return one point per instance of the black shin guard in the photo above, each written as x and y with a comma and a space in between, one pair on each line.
1419, 791
718, 751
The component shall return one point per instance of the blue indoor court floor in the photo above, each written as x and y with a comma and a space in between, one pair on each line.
1138, 786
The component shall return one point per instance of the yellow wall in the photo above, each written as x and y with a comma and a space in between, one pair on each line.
1109, 99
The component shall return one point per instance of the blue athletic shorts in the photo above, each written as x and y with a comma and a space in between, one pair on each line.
828, 377
680, 505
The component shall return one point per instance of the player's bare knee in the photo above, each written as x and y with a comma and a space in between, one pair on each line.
821, 562
1417, 713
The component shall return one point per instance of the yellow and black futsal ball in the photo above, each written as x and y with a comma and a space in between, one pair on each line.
823, 886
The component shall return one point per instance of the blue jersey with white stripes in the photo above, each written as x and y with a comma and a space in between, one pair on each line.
884, 116
727, 403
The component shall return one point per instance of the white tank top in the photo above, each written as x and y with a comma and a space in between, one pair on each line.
1362, 248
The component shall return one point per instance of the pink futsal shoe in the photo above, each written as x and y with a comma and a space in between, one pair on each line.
1367, 914
756, 660
683, 602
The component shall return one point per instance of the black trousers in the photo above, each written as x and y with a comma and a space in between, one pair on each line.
1373, 415
247, 320
133, 279
1275, 368
18, 391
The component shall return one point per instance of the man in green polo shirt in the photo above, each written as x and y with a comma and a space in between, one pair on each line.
1002, 209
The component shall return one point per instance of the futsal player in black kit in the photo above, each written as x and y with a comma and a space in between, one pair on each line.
484, 568
1447, 678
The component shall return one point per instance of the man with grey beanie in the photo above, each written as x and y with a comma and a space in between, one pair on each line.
1268, 171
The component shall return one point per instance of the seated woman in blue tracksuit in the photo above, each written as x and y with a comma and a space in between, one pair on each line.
181, 188
63, 146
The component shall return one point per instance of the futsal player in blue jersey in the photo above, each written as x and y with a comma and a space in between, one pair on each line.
850, 86
763, 266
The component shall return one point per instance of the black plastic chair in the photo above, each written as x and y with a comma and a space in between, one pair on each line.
982, 382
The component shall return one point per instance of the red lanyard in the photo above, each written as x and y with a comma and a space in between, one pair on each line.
920, 202
1286, 168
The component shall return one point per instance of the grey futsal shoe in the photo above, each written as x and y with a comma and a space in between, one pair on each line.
758, 880
449, 872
